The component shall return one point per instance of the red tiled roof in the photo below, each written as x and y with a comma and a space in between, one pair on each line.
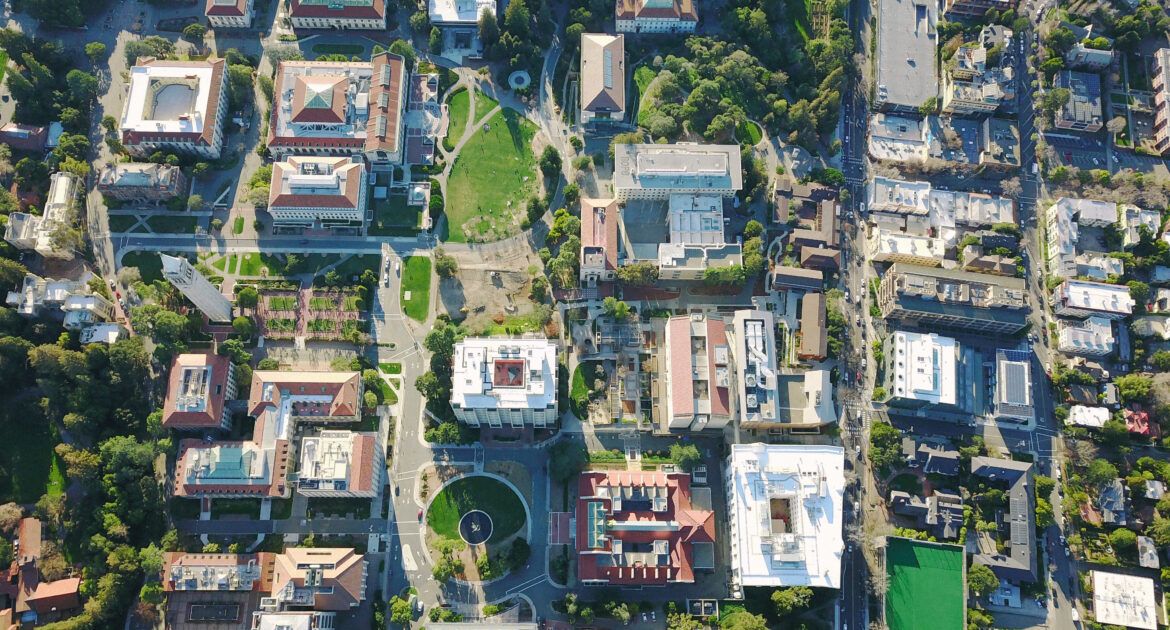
238, 9
207, 135
212, 413
264, 560
344, 575
682, 399
28, 537
682, 10
384, 99
275, 487
344, 389
375, 10
306, 91
361, 476
599, 227
348, 195
716, 336
56, 596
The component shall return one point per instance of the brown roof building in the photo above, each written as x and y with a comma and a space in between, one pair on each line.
24, 137
324, 579
656, 16
599, 240
229, 13
175, 106
603, 77
184, 571
318, 192
339, 14
198, 387
695, 373
814, 341
341, 108
23, 594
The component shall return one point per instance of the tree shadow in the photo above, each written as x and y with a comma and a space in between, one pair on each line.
452, 296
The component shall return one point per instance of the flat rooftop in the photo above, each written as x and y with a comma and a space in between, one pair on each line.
1124, 600
172, 97
504, 373
677, 166
907, 72
925, 367
459, 12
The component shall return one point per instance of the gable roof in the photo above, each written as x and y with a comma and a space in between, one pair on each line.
603, 72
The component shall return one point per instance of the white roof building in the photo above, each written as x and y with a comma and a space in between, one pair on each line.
1077, 298
1098, 266
923, 368
501, 380
340, 464
786, 504
1093, 336
695, 225
656, 171
30, 232
175, 105
106, 333
946, 209
1092, 417
1133, 218
1064, 220
459, 12
1124, 600
889, 246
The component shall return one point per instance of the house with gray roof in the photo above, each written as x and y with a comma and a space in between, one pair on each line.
1019, 563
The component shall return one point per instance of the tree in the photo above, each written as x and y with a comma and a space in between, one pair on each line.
194, 32
638, 274
435, 40
1101, 471
1045, 515
151, 593
885, 446
420, 22
791, 599
683, 621
489, 29
1044, 485
248, 297
685, 456
1160, 531
244, 326
1140, 292
1116, 125
445, 265
743, 620
1123, 540
400, 611
566, 460
195, 202
1134, 388
428, 385
752, 229
550, 160
95, 51
403, 49
615, 308
981, 580
10, 515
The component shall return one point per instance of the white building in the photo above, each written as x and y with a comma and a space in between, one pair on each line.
29, 232
657, 171
1091, 337
229, 13
175, 106
196, 288
459, 13
502, 381
106, 333
80, 306
1013, 386
1133, 219
946, 210
922, 368
889, 246
603, 77
1124, 600
656, 16
338, 14
695, 225
786, 505
341, 464
86, 309
753, 346
1098, 266
1091, 417
318, 193
1064, 219
1077, 298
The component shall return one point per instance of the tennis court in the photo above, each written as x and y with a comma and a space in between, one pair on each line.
926, 589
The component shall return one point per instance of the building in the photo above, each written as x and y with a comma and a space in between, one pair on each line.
695, 374
599, 240
320, 578
1161, 85
259, 467
294, 620
814, 208
1090, 337
176, 106
141, 182
1147, 552
1083, 110
900, 138
1064, 220
1099, 267
1013, 386
644, 528
1133, 219
656, 16
937, 457
1078, 298
459, 14
47, 234
106, 333
73, 299
229, 13
979, 78
27, 138
814, 339
786, 505
921, 369
974, 260
976, 8
1018, 563
940, 514
603, 77
697, 242
889, 246
795, 278
657, 171
198, 387
341, 464
942, 211
501, 381
949, 298
1091, 51
907, 66
338, 14
184, 572
1000, 144
204, 295
318, 193
1124, 600
341, 109
1111, 503
26, 598
1090, 417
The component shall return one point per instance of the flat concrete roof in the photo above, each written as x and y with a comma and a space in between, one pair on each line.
907, 71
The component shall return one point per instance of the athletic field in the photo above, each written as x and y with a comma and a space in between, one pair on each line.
926, 590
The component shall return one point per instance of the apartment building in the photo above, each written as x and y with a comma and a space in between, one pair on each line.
977, 79
1083, 112
950, 298
1081, 299
43, 234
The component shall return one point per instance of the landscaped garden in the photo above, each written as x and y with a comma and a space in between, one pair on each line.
493, 176
282, 302
393, 216
148, 263
416, 279
173, 224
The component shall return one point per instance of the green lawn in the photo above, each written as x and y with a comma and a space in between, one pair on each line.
238, 225
148, 263
749, 133
514, 325
476, 493
483, 105
251, 263
339, 49
220, 263
184, 509
579, 392
336, 506
240, 507
493, 176
322, 303
282, 303
458, 108
394, 217
643, 75
3, 64
388, 395
906, 483
390, 368
322, 325
355, 265
122, 222
416, 278
30, 467
310, 264
173, 224
926, 589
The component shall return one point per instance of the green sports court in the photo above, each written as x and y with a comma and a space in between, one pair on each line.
926, 589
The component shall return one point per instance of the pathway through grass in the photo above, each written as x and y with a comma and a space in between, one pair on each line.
483, 104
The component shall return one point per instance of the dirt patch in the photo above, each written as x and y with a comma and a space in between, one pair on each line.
515, 473
433, 476
478, 295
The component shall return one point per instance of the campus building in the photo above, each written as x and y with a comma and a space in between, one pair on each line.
141, 182
338, 14
603, 77
786, 504
814, 338
644, 528
40, 234
319, 578
175, 106
502, 381
599, 240
696, 239
229, 13
318, 193
890, 246
657, 171
694, 374
950, 298
71, 299
656, 16
198, 387
907, 65
340, 108
341, 464
204, 295
1161, 85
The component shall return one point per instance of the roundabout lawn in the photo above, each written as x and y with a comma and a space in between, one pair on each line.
495, 498
493, 176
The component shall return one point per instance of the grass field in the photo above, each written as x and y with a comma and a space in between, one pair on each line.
458, 108
238, 225
394, 217
492, 177
390, 368
749, 133
3, 64
643, 75
121, 222
416, 278
148, 263
355, 265
176, 224
476, 493
926, 589
31, 467
251, 263
483, 105
340, 49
